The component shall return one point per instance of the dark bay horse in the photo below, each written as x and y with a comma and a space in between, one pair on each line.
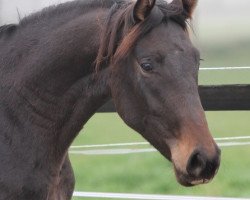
58, 66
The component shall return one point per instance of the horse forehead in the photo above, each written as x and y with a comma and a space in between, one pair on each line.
165, 36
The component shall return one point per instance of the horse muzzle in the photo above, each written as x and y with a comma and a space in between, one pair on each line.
200, 168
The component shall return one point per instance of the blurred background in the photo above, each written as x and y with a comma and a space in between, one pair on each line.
221, 30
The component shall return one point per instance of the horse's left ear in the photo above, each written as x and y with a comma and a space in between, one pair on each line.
189, 6
142, 9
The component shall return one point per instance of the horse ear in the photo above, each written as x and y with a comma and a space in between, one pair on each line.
142, 9
189, 6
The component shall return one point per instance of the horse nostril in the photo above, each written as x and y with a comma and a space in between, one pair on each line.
196, 164
212, 167
199, 166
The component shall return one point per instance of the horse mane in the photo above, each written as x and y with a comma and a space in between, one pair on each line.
9, 28
76, 7
120, 32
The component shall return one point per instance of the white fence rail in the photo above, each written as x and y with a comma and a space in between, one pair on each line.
146, 196
224, 68
223, 142
146, 143
138, 150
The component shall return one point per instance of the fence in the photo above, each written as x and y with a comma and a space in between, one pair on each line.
214, 98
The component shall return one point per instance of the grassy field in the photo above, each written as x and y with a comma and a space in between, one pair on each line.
150, 173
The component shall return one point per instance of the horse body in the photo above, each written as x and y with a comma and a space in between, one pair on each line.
49, 89
47, 94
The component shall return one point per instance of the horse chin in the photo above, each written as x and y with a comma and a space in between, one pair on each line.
188, 181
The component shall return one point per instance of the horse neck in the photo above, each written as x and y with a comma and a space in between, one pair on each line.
57, 78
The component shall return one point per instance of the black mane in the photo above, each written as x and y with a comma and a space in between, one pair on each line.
72, 9
9, 28
76, 7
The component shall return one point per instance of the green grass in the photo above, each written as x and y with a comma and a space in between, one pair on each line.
233, 53
224, 77
150, 172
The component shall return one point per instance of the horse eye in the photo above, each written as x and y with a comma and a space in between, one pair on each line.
146, 66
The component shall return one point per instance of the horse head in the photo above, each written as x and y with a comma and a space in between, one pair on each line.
154, 85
